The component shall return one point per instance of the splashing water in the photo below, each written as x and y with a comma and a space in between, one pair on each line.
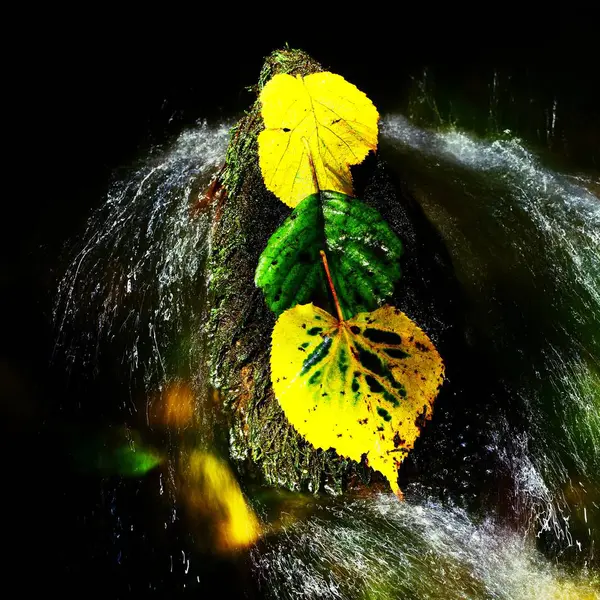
525, 244
566, 213
138, 268
379, 548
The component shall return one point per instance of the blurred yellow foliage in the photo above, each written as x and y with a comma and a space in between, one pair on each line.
213, 494
175, 406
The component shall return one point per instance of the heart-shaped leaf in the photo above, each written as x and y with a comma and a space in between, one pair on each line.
362, 249
320, 118
361, 386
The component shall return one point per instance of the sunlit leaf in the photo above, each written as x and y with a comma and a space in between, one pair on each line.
320, 118
362, 250
361, 386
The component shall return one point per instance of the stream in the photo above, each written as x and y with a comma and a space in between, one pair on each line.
523, 236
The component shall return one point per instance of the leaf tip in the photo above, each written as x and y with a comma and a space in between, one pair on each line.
397, 491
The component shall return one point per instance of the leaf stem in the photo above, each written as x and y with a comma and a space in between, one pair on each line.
312, 164
338, 308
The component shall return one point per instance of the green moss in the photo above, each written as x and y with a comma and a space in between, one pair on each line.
239, 326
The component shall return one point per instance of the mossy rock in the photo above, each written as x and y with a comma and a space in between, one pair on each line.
240, 324
262, 442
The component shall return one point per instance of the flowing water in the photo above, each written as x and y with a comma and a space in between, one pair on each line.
525, 244
524, 240
136, 276
378, 548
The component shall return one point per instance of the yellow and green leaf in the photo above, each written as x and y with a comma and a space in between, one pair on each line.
315, 128
361, 386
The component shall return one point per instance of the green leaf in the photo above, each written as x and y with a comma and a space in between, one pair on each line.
362, 250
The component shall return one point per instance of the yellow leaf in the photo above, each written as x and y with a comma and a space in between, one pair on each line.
320, 117
366, 385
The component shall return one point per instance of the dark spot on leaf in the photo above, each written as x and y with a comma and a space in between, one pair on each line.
343, 362
370, 361
384, 414
421, 347
398, 441
380, 336
421, 418
314, 378
380, 429
273, 262
317, 355
373, 384
305, 344
391, 398
354, 329
373, 363
301, 349
396, 353
355, 385
335, 121
314, 330
339, 435
363, 421
286, 129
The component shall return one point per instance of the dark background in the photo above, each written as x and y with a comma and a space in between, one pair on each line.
85, 101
